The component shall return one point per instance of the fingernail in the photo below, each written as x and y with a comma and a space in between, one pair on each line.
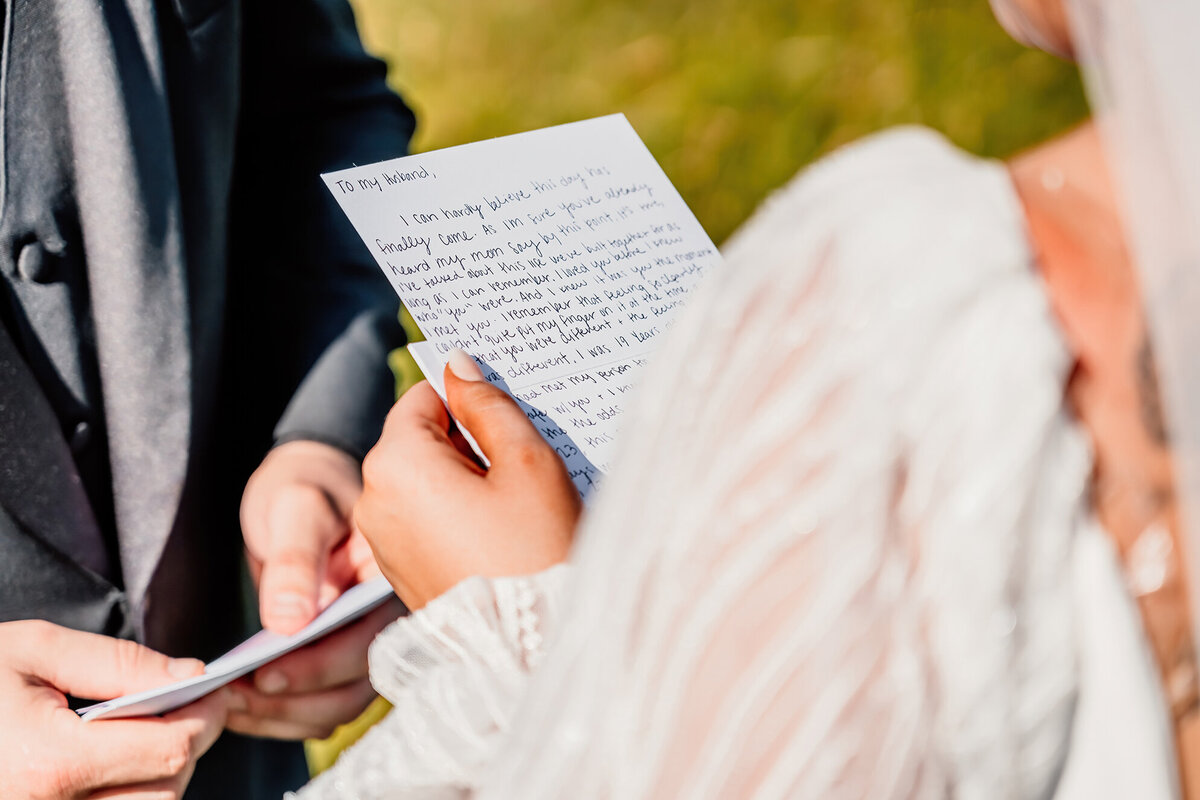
291, 605
272, 682
185, 667
463, 366
236, 701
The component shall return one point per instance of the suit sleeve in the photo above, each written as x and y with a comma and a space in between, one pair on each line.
319, 316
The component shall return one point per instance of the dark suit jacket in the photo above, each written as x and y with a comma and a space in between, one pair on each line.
180, 293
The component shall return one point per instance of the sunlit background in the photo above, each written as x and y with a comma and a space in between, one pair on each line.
731, 96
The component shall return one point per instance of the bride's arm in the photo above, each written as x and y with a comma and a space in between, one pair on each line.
455, 670
454, 673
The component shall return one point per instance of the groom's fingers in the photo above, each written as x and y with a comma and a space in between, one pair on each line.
124, 752
300, 524
311, 715
157, 790
337, 659
87, 664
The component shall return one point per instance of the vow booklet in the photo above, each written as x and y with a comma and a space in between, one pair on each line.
555, 258
259, 650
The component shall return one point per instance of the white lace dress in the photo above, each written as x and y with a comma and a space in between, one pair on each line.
845, 552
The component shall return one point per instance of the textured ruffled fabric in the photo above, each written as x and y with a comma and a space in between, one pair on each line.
834, 558
454, 673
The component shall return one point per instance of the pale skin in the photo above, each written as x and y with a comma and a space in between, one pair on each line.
303, 552
48, 753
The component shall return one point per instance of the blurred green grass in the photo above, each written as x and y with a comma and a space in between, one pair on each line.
731, 96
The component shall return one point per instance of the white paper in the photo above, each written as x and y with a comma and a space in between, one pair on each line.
260, 649
554, 257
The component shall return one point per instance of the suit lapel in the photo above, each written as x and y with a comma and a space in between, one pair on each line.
39, 485
130, 217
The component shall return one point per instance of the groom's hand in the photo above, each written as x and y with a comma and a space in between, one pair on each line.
309, 692
296, 521
304, 552
48, 753
434, 516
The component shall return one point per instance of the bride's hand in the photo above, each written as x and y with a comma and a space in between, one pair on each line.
433, 516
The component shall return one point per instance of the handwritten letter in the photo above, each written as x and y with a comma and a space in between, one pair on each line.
554, 257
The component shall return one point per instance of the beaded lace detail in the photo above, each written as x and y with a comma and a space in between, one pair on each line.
454, 672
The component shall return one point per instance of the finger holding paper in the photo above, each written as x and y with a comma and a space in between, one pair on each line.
296, 524
307, 693
47, 751
451, 519
304, 553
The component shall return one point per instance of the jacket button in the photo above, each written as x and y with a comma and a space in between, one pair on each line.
35, 264
81, 437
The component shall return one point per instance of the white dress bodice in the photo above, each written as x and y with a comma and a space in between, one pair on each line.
845, 551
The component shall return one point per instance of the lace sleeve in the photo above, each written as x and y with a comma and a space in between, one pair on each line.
454, 672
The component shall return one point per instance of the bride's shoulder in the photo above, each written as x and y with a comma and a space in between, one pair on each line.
899, 202
915, 254
900, 158
903, 228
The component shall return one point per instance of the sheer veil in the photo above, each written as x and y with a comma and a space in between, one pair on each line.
1141, 63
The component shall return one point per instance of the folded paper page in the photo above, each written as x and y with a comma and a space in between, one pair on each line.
258, 650
554, 257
